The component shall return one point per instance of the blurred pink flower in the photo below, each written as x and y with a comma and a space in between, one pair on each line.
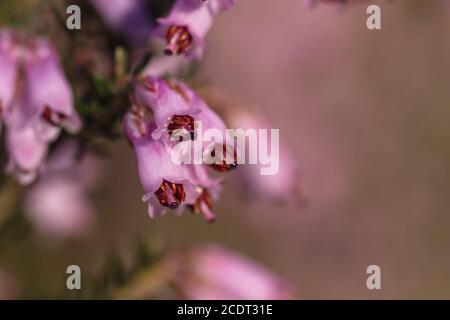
166, 184
36, 104
128, 18
211, 272
50, 100
26, 153
58, 203
282, 187
186, 26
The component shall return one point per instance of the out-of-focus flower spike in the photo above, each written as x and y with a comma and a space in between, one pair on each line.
281, 187
58, 204
211, 272
34, 103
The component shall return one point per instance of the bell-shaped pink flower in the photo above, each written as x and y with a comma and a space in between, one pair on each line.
185, 28
211, 272
166, 183
172, 114
221, 150
128, 18
50, 100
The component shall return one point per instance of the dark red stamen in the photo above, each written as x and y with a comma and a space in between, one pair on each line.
181, 123
54, 118
179, 40
170, 194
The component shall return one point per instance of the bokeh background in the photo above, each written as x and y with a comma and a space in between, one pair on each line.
366, 115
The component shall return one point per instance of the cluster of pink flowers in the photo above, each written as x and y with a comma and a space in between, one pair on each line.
36, 101
175, 109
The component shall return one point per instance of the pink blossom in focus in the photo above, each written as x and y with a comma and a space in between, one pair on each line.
185, 28
177, 111
210, 120
211, 272
172, 114
166, 184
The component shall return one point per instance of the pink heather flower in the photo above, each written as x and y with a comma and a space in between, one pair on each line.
58, 203
58, 207
166, 184
171, 112
210, 120
35, 106
185, 28
128, 18
178, 110
211, 272
50, 99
